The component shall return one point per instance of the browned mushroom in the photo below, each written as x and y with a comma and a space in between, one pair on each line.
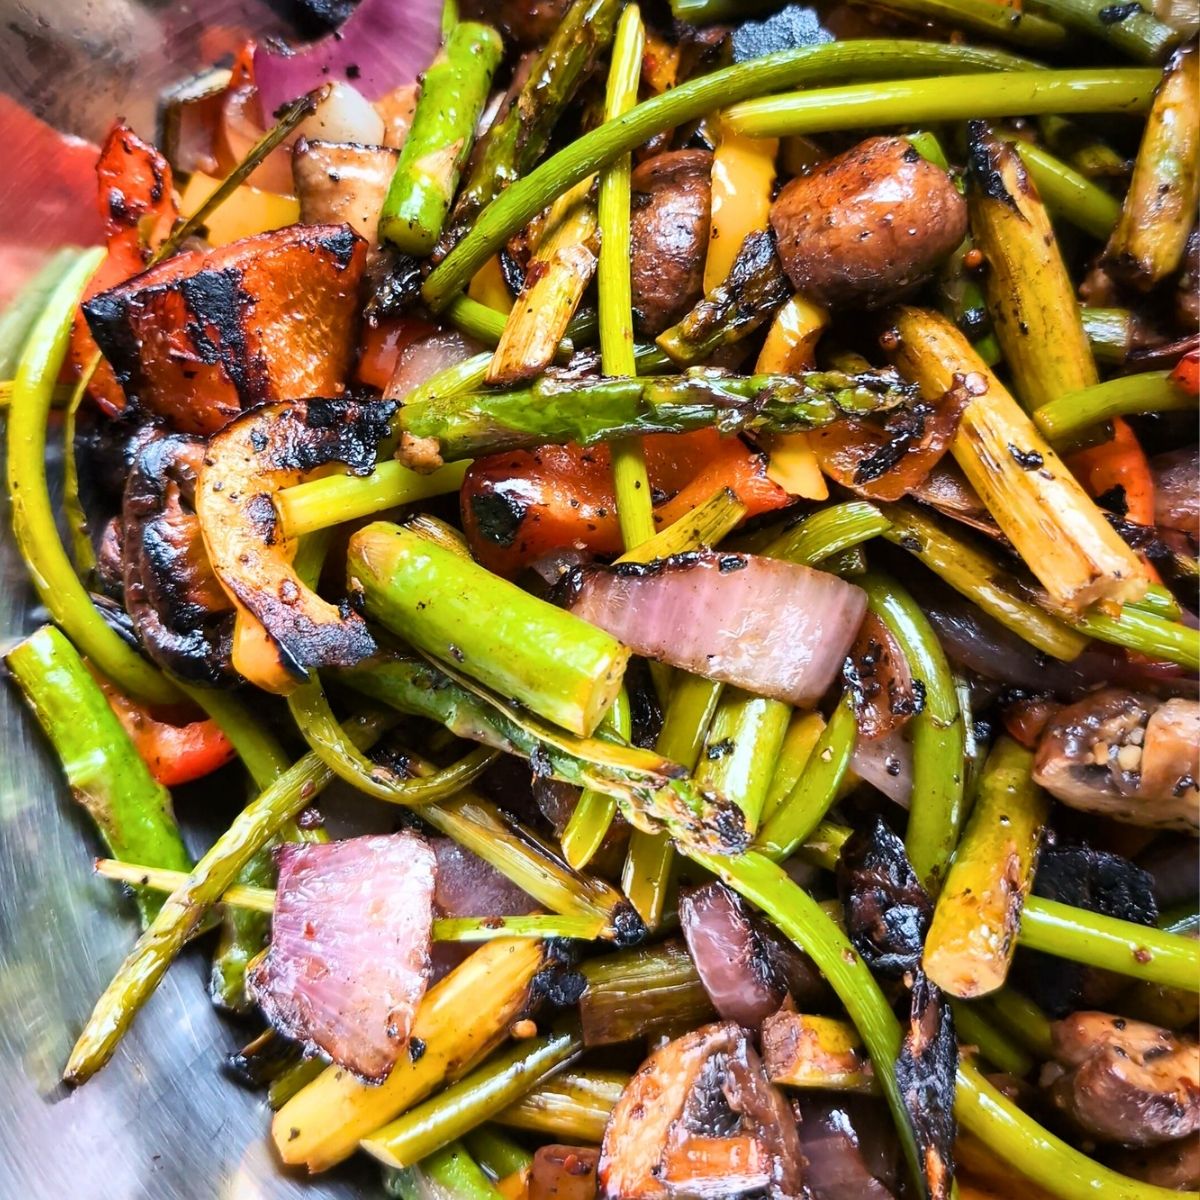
343, 182
563, 1173
1176, 502
1125, 755
868, 224
179, 609
671, 197
1175, 1165
701, 1119
1124, 1081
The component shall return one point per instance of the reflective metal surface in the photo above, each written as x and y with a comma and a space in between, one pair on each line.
161, 1122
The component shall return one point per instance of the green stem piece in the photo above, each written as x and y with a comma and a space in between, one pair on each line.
476, 1098
1135, 32
1062, 420
1068, 194
974, 1029
496, 1152
1005, 21
966, 97
594, 811
454, 89
572, 1107
1145, 632
106, 775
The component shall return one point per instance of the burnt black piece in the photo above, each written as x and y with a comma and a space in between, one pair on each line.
887, 909
903, 428
925, 1070
316, 17
1089, 879
393, 282
792, 28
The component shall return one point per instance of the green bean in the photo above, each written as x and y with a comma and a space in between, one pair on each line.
476, 1098
496, 1152
33, 517
1121, 946
450, 1171
645, 877
1007, 94
107, 777
572, 1107
632, 484
974, 1029
1068, 194
528, 196
454, 89
979, 576
743, 744
798, 816
1065, 418
1135, 31
183, 910
591, 410
936, 813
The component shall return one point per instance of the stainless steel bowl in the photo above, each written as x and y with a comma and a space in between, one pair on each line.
161, 1122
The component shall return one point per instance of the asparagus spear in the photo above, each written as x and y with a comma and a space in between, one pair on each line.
517, 139
1160, 206
183, 910
1131, 29
1069, 194
475, 1098
808, 1052
601, 410
1055, 527
491, 228
496, 1152
454, 90
460, 1019
803, 733
1029, 293
557, 276
1069, 415
973, 934
552, 662
975, 1030
1007, 94
572, 1107
107, 777
450, 1171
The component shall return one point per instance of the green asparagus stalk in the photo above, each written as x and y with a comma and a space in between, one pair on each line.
518, 137
1113, 333
1006, 21
528, 196
454, 90
1008, 94
1069, 194
1133, 30
973, 934
23, 310
1069, 414
557, 665
50, 569
978, 575
450, 1171
572, 1107
646, 875
1022, 1019
594, 811
496, 1152
1030, 295
974, 1029
207, 881
827, 532
603, 410
741, 304
938, 750
107, 777
801, 739
1082, 149
634, 992
806, 1052
1145, 632
631, 483
800, 813
461, 1018
1160, 206
486, 325
476, 1098
743, 745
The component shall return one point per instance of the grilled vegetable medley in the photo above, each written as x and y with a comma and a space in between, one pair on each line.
723, 478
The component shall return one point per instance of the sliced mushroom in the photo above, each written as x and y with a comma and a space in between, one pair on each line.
563, 1173
340, 182
1125, 755
1124, 1081
283, 627
179, 609
701, 1119
1175, 1165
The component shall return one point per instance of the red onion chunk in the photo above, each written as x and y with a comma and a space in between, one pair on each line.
469, 887
425, 357
843, 1143
349, 955
886, 764
730, 958
773, 628
380, 46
